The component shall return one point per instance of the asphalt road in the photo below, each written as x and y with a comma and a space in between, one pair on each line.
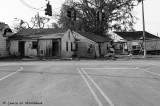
80, 83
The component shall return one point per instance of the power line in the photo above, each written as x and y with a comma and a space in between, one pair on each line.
35, 8
31, 6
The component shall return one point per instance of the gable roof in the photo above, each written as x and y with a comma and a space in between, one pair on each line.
94, 37
135, 35
37, 33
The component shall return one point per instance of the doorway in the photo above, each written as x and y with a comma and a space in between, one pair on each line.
55, 48
21, 48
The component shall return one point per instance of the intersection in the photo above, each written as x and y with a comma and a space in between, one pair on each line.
80, 83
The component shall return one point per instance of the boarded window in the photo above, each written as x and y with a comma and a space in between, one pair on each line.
66, 46
34, 45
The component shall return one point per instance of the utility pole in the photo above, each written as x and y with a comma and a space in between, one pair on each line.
38, 20
144, 36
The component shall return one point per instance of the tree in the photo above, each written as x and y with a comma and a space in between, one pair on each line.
118, 15
36, 22
39, 21
20, 25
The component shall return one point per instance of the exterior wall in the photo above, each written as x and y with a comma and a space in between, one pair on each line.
104, 50
45, 47
3, 46
87, 49
14, 44
68, 37
84, 47
13, 47
152, 45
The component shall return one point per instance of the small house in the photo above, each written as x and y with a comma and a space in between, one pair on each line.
49, 42
90, 45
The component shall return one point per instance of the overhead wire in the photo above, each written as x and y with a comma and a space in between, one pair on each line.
34, 7
31, 6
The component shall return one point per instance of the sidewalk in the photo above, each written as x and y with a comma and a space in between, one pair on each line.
117, 57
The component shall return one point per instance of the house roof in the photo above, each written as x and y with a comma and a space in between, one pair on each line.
94, 37
2, 25
58, 35
135, 35
37, 33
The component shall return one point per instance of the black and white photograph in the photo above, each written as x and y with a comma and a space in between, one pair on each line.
79, 53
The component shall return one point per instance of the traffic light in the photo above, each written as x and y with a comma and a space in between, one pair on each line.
103, 16
100, 16
48, 10
97, 16
69, 14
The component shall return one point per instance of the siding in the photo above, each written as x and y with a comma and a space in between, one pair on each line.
14, 44
68, 37
3, 47
46, 48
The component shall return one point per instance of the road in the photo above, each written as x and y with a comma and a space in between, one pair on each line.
80, 83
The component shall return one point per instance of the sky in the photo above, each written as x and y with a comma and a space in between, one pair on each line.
11, 9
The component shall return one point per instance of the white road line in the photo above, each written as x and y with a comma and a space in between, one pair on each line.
146, 70
91, 89
21, 68
118, 68
104, 95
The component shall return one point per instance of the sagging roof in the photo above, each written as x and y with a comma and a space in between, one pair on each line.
37, 33
136, 35
94, 37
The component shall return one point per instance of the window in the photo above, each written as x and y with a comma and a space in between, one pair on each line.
71, 46
76, 46
34, 45
69, 35
66, 46
134, 47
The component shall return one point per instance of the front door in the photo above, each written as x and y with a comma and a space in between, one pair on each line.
21, 48
55, 48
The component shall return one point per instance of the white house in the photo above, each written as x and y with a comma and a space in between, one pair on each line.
5, 32
49, 42
90, 45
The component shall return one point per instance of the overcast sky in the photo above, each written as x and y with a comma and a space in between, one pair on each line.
10, 9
